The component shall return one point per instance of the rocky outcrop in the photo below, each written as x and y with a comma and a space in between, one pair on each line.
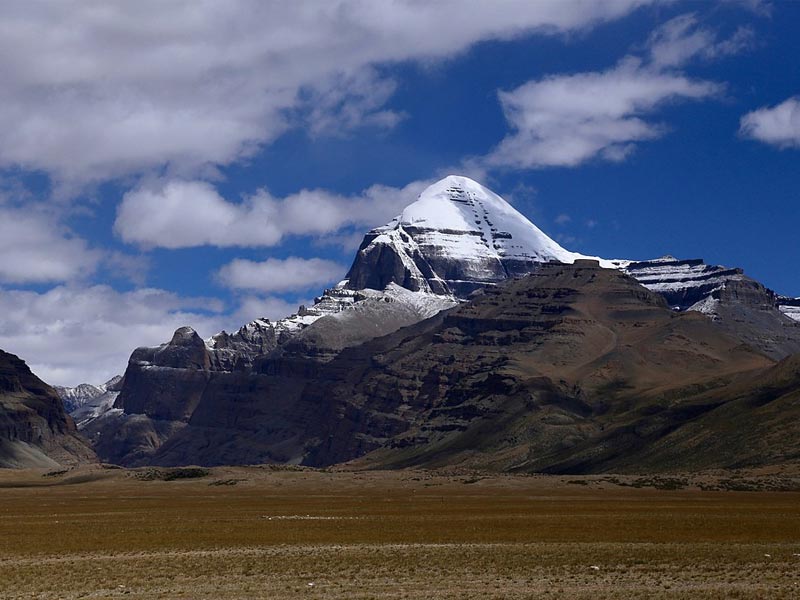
35, 430
231, 399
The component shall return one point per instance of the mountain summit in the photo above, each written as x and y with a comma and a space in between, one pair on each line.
458, 236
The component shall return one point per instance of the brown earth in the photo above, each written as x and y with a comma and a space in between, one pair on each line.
263, 532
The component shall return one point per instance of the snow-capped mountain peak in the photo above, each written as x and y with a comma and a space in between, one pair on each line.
457, 236
457, 205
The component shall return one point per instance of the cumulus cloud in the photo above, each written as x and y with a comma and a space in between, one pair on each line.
566, 120
776, 125
682, 39
72, 334
276, 275
69, 334
182, 214
93, 90
35, 249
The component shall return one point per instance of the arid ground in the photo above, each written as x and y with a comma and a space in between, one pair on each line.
269, 533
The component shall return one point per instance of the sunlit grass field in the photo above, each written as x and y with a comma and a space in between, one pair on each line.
270, 533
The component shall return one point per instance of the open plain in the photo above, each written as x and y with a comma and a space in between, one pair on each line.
263, 532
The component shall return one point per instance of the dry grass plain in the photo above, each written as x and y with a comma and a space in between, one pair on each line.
265, 533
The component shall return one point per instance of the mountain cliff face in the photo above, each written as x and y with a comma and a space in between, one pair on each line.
244, 397
182, 394
35, 431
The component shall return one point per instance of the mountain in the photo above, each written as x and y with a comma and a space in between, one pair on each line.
457, 237
85, 393
573, 369
35, 430
243, 397
738, 304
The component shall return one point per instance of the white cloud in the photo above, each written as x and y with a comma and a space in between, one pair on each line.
682, 39
69, 335
563, 219
182, 214
35, 249
93, 90
566, 120
73, 334
280, 275
191, 213
777, 125
338, 105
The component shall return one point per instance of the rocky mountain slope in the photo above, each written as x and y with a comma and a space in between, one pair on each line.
35, 430
573, 369
87, 394
738, 304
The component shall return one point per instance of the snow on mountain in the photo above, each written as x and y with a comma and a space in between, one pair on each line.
75, 397
458, 236
683, 283
790, 307
87, 401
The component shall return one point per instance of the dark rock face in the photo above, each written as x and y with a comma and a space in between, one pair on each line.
235, 352
234, 401
35, 431
166, 383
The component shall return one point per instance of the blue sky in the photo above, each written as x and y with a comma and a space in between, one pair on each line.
207, 164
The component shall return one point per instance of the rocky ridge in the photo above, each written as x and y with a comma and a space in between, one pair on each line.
35, 430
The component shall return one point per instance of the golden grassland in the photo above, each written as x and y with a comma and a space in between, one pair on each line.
272, 533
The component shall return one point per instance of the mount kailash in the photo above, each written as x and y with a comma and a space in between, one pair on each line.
267, 392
